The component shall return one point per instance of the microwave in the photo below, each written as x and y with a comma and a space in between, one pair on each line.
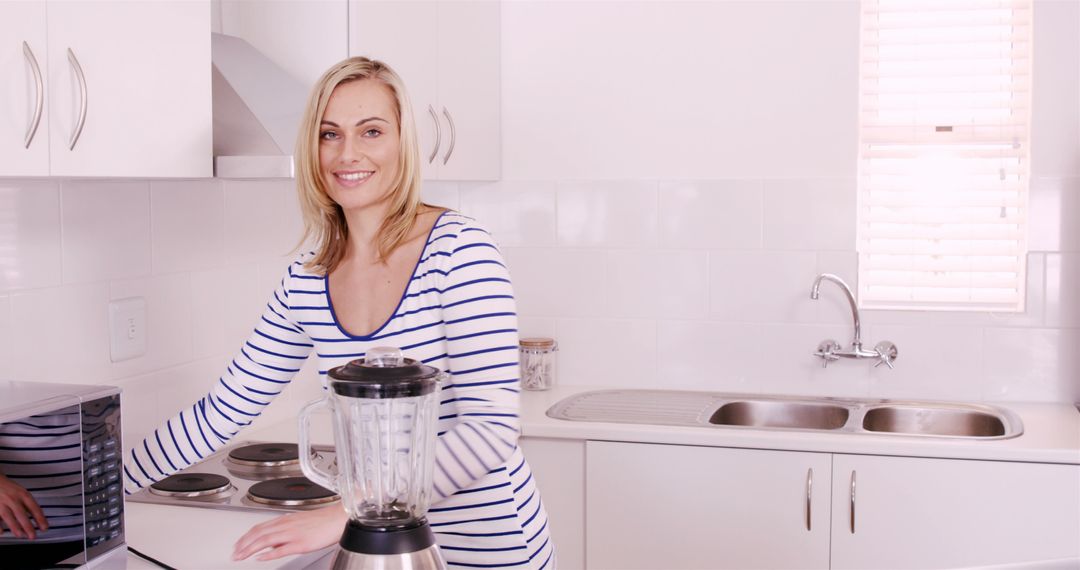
61, 442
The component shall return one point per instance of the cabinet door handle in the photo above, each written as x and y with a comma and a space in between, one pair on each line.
438, 133
82, 99
853, 502
809, 494
453, 135
39, 99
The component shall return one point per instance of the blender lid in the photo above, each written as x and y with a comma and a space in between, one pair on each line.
384, 373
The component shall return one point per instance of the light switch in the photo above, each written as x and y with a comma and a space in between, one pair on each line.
127, 328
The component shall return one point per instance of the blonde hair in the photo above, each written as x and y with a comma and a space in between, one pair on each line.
324, 221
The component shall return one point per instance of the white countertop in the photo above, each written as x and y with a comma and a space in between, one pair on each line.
1051, 434
186, 537
193, 538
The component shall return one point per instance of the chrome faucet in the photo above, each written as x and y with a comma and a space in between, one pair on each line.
829, 350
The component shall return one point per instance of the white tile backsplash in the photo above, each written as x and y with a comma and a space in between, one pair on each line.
550, 282
30, 249
245, 293
810, 214
516, 213
1054, 206
187, 225
105, 230
168, 322
706, 276
208, 311
935, 362
706, 355
537, 327
762, 286
607, 352
788, 365
254, 216
616, 214
442, 194
724, 214
1063, 289
654, 283
1028, 364
60, 334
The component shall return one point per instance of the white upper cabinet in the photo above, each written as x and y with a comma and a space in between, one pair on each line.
144, 83
127, 88
24, 150
448, 54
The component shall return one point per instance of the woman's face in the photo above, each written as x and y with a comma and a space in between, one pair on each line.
359, 144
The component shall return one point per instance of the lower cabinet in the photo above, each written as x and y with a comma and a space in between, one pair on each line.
668, 506
905, 512
623, 506
558, 466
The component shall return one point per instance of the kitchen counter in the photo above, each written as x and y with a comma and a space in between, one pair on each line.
186, 537
1051, 434
195, 538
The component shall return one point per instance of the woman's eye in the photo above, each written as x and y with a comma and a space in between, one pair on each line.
327, 135
371, 133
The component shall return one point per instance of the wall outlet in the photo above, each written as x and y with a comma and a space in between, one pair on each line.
127, 328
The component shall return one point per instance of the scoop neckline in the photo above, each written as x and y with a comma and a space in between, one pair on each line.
401, 300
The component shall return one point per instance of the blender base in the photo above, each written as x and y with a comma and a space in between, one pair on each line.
409, 548
427, 559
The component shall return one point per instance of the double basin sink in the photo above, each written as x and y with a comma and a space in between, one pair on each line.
670, 407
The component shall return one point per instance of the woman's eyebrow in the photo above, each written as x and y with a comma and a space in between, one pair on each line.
358, 123
370, 119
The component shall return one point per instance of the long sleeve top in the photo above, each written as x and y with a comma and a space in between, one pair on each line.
456, 314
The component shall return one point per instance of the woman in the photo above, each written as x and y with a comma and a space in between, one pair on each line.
386, 270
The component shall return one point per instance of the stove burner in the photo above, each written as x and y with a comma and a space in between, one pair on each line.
191, 485
266, 455
290, 491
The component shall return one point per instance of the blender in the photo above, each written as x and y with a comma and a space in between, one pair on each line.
384, 409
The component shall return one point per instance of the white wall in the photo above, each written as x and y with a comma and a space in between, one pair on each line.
204, 254
676, 173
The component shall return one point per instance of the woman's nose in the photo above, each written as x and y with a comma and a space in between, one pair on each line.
352, 150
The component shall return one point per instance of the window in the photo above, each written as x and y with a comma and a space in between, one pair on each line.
944, 123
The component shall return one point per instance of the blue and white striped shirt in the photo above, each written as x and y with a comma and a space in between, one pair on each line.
457, 314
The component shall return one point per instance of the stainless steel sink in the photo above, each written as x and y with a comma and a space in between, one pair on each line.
833, 415
781, 414
923, 420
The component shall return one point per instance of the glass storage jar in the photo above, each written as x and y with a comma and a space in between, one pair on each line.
537, 357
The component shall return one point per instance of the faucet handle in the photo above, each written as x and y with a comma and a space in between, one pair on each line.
826, 351
886, 353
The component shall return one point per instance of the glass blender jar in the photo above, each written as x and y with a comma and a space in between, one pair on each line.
384, 409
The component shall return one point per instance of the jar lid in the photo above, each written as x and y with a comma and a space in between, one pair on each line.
384, 373
537, 342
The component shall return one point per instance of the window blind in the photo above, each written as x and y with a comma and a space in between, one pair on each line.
944, 123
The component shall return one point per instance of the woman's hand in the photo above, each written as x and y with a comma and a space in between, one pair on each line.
294, 533
15, 504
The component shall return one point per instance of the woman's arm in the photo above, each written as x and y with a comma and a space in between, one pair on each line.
480, 317
267, 361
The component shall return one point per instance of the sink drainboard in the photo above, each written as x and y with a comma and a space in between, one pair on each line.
663, 407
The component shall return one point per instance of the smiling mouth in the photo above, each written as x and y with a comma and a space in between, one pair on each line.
353, 176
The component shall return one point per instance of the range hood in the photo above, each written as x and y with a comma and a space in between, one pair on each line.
257, 111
